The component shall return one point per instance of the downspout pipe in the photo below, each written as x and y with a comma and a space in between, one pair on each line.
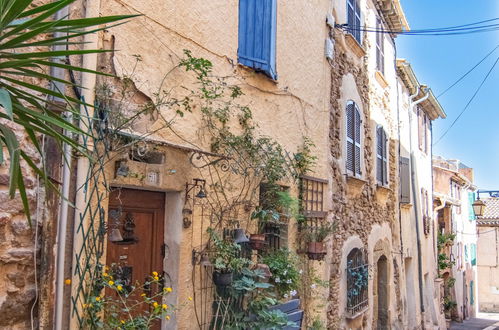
66, 178
413, 104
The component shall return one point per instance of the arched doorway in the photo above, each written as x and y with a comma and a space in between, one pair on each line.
382, 293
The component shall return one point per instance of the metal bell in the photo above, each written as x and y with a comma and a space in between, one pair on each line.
115, 235
239, 236
205, 261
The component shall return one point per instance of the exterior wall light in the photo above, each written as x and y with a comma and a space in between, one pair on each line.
478, 207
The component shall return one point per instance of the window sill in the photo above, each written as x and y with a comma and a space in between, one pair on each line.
355, 180
351, 316
380, 78
383, 188
405, 205
354, 45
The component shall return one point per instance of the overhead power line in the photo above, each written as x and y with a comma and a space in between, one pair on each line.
468, 72
469, 102
476, 27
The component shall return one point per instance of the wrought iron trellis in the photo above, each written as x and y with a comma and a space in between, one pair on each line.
90, 224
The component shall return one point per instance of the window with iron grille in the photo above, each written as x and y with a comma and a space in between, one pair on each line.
380, 47
312, 203
357, 282
353, 135
276, 233
353, 19
381, 156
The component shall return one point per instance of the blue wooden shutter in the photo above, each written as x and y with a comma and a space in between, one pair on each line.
257, 35
357, 123
385, 156
353, 19
350, 137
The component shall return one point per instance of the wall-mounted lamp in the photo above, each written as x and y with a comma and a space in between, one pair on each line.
201, 184
478, 206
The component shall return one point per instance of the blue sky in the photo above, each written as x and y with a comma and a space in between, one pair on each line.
439, 61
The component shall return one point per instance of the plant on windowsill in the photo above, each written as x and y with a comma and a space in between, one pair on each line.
279, 206
225, 259
315, 237
359, 278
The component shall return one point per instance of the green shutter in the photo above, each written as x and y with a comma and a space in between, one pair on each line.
471, 200
473, 254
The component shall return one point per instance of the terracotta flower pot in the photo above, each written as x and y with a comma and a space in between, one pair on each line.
222, 279
257, 241
316, 250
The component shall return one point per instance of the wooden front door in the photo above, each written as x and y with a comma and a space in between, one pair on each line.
139, 217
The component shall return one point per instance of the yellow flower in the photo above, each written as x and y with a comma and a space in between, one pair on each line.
122, 322
167, 289
167, 317
119, 287
105, 274
106, 267
154, 273
155, 304
90, 305
67, 281
97, 298
190, 298
143, 295
110, 283
85, 305
156, 278
165, 306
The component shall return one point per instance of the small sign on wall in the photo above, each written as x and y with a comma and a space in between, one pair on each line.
152, 178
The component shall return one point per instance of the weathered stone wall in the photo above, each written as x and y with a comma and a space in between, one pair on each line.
17, 246
358, 204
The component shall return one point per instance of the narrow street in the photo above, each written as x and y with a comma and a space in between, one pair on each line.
488, 321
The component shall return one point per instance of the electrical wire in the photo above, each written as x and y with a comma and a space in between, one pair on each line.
468, 72
452, 30
469, 102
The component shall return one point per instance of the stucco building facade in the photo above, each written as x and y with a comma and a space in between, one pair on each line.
487, 256
454, 193
309, 79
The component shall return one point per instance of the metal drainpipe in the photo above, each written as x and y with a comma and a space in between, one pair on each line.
402, 261
64, 202
413, 184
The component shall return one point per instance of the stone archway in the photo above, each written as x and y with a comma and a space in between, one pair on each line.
382, 294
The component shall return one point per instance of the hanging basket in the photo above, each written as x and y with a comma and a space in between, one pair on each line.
316, 250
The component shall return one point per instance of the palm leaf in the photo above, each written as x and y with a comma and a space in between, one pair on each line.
23, 27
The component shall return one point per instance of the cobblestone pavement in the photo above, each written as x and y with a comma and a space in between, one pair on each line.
483, 321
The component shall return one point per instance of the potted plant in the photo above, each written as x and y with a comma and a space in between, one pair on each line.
225, 259
257, 241
315, 237
449, 305
276, 206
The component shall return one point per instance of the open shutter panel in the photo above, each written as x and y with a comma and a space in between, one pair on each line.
350, 16
350, 137
471, 200
257, 35
357, 22
379, 155
357, 123
384, 155
405, 183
